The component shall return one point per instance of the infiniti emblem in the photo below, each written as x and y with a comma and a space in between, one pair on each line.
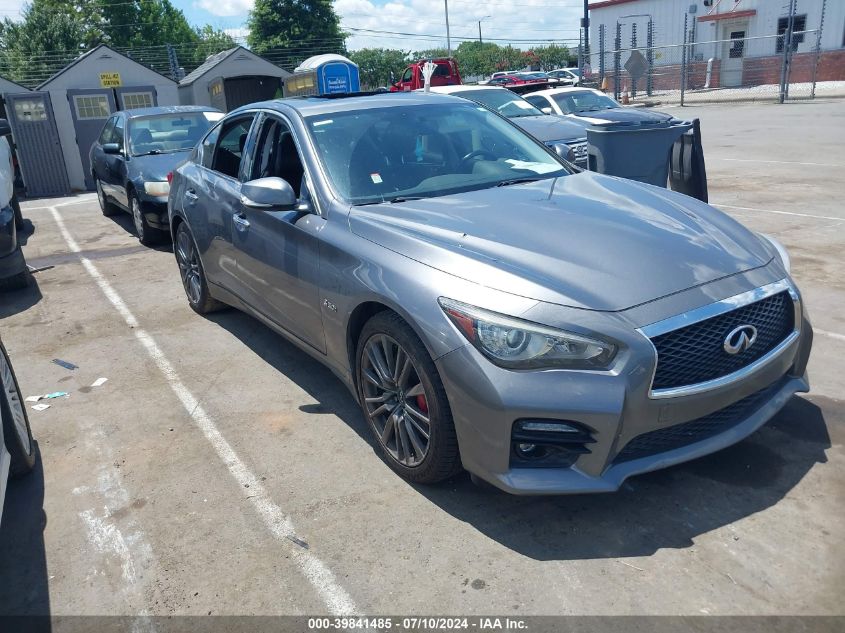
740, 339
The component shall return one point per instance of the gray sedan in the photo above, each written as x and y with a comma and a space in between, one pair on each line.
490, 309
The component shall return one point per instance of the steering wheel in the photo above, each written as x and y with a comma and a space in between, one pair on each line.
478, 153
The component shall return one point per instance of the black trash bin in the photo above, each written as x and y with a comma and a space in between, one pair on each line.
636, 150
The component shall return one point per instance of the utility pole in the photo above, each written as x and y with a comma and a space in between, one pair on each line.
448, 39
480, 41
585, 23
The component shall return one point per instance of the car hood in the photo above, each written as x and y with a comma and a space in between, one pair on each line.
154, 167
622, 115
584, 240
548, 128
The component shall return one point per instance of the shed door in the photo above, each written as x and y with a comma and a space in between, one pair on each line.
136, 97
39, 151
90, 109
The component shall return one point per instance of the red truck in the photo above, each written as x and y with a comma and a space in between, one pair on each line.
446, 74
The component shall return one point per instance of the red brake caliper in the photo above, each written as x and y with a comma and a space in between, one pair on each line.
422, 404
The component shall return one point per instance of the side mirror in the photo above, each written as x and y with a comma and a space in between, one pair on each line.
111, 148
564, 151
547, 110
5, 128
272, 193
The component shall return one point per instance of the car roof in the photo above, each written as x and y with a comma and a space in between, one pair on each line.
136, 112
454, 90
308, 106
557, 91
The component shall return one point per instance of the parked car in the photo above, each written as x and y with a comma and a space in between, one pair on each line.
13, 269
133, 155
17, 448
592, 106
491, 308
551, 130
565, 76
446, 74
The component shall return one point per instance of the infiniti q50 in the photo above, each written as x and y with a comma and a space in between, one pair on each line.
490, 307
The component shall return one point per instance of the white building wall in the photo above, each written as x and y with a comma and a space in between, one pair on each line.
668, 16
86, 74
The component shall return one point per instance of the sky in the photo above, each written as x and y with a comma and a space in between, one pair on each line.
386, 22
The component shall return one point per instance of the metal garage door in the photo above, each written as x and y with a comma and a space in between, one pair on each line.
90, 109
39, 151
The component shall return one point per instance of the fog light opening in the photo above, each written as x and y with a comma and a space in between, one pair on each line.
526, 449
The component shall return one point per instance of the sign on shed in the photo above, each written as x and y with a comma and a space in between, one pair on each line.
110, 80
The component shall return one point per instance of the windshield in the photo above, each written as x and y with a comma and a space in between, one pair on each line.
583, 101
502, 101
166, 133
423, 151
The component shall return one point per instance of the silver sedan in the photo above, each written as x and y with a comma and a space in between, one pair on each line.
488, 307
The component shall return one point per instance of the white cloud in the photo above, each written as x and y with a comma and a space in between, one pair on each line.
225, 7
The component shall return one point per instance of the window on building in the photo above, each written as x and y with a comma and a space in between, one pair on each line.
799, 24
91, 107
133, 100
30, 110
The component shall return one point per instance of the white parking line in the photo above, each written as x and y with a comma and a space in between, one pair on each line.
800, 215
319, 575
775, 162
833, 335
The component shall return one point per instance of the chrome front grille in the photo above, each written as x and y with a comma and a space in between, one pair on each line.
696, 353
580, 151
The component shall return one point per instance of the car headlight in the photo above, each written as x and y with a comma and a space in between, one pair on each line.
517, 344
784, 256
157, 188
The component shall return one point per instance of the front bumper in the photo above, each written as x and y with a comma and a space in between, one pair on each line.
154, 209
486, 400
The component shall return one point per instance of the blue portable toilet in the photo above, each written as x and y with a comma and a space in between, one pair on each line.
323, 75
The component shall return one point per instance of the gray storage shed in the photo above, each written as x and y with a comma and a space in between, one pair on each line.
87, 91
231, 79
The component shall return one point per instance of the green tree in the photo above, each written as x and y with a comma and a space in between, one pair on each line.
293, 30
45, 40
552, 56
211, 41
379, 66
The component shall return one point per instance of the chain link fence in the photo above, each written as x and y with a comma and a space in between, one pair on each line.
740, 69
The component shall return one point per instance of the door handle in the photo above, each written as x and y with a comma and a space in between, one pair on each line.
191, 195
241, 223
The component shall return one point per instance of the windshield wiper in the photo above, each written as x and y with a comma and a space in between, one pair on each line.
516, 181
392, 201
152, 152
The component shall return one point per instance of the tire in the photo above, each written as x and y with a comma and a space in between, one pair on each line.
147, 235
16, 207
16, 431
18, 281
397, 418
192, 273
108, 208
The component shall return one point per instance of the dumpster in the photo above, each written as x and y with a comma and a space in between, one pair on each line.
323, 75
645, 151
